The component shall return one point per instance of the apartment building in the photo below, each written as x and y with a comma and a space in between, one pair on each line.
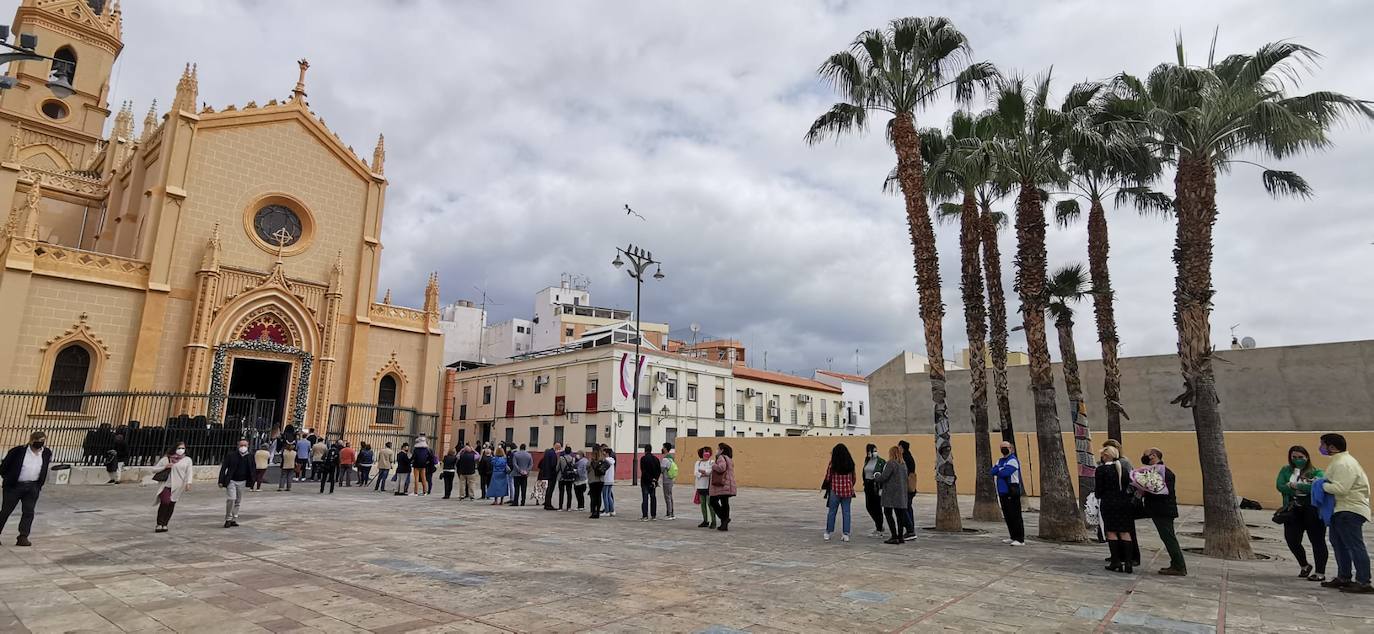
854, 406
582, 394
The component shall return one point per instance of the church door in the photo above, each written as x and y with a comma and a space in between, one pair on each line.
263, 386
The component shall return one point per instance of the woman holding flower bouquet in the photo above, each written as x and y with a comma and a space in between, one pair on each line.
1161, 504
1113, 488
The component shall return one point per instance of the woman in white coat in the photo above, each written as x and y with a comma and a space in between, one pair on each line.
180, 471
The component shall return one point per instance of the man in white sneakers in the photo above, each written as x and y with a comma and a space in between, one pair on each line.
1007, 471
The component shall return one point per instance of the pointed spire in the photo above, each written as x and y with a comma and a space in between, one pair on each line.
187, 88
379, 154
386, 299
210, 261
149, 122
432, 293
298, 93
123, 129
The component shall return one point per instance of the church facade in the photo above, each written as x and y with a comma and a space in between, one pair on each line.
212, 251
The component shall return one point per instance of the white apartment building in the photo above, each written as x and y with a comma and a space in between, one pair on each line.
855, 404
564, 313
462, 324
583, 395
501, 342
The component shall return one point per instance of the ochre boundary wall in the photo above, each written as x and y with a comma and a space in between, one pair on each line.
799, 462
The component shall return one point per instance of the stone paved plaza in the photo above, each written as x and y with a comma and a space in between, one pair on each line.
360, 561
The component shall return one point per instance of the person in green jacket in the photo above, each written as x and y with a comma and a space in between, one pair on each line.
1295, 484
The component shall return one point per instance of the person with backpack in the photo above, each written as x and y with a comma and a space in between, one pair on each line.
582, 464
567, 475
329, 466
669, 466
649, 473
1007, 472
596, 479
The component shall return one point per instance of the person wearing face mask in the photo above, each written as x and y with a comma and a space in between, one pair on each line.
1347, 481
235, 472
873, 501
1007, 472
1295, 485
179, 470
25, 470
1162, 509
703, 486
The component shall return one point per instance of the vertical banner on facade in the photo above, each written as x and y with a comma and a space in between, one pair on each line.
627, 378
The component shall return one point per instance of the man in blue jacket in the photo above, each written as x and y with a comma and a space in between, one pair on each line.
1007, 471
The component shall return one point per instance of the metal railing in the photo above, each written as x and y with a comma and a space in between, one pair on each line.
83, 427
376, 425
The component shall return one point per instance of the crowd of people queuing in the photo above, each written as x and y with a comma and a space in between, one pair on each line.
1317, 505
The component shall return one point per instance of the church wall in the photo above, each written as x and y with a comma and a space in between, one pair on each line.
232, 167
172, 353
410, 349
54, 306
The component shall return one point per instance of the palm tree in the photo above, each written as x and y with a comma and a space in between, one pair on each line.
1106, 161
899, 70
957, 164
1069, 284
1203, 119
990, 223
1029, 150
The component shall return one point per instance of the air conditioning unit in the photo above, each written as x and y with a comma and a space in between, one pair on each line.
803, 398
773, 411
608, 432
772, 404
573, 417
542, 380
517, 383
661, 377
749, 392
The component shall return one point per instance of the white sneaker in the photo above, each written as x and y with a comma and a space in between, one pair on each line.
825, 536
670, 517
1018, 543
844, 537
878, 534
1007, 540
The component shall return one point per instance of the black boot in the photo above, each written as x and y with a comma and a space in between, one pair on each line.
1127, 553
1114, 547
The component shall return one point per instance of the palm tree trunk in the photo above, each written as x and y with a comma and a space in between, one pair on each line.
997, 320
985, 504
912, 180
1223, 529
1061, 519
1078, 410
1105, 312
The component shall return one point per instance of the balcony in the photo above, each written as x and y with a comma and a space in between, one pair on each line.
646, 403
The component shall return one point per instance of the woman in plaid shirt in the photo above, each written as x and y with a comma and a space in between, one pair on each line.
839, 487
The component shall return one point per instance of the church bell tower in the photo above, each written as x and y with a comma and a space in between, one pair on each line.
61, 133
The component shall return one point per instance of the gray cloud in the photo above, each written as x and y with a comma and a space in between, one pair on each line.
515, 132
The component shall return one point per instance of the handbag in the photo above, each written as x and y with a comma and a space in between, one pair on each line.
1138, 510
1283, 515
162, 476
696, 497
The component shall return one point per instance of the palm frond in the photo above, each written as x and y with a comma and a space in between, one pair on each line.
1147, 201
948, 213
1066, 212
1284, 183
841, 119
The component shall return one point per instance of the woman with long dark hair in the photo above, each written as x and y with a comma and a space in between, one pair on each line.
722, 486
839, 488
1295, 485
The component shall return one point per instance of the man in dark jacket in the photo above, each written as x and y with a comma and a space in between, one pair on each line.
650, 470
235, 472
121, 457
24, 469
548, 472
329, 466
1163, 510
467, 472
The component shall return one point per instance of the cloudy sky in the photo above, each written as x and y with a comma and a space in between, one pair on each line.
517, 131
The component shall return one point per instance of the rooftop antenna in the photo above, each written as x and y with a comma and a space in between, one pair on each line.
696, 329
481, 334
856, 361
1235, 343
827, 362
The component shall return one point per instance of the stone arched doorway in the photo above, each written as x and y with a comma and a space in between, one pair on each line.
260, 377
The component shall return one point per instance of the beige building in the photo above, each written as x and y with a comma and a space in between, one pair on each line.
1014, 358
582, 397
215, 250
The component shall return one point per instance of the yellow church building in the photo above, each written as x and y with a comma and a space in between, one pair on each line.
214, 251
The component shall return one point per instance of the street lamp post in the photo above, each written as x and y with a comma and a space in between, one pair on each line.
640, 261
59, 82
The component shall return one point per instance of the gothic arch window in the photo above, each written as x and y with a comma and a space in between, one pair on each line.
70, 374
65, 64
387, 390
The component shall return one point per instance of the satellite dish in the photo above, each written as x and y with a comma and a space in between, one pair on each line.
695, 328
1247, 343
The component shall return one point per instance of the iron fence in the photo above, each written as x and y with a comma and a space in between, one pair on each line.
82, 427
376, 425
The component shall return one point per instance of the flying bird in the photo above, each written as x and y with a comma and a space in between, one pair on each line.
631, 212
